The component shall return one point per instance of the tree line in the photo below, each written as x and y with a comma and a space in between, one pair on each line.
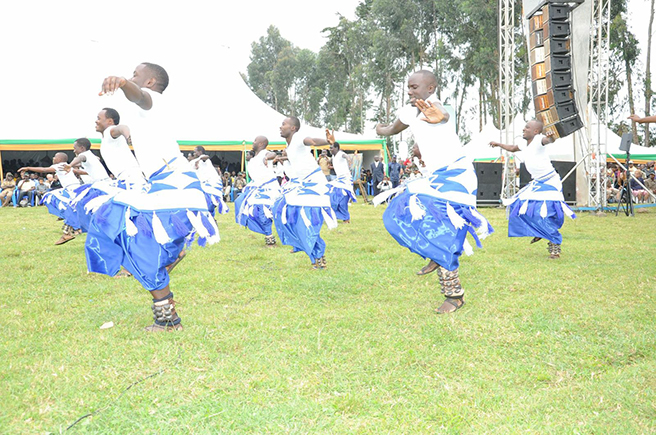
358, 75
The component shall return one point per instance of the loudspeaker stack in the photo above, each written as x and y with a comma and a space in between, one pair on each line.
551, 69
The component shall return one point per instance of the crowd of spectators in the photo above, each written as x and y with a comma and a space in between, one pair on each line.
641, 185
27, 189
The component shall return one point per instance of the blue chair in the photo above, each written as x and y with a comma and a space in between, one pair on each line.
14, 197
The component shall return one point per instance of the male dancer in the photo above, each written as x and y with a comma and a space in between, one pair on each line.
58, 201
85, 158
146, 230
432, 215
304, 204
210, 179
95, 172
538, 209
341, 188
253, 208
115, 147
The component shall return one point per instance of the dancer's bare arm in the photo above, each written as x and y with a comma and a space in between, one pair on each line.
38, 169
131, 91
121, 130
510, 148
390, 129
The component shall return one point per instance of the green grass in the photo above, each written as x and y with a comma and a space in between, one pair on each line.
270, 345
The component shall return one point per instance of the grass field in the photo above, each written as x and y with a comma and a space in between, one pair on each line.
269, 345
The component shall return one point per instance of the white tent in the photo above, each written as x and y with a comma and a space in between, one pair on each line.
478, 148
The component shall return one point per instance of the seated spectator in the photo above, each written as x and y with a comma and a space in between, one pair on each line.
240, 183
384, 185
41, 190
55, 183
650, 183
8, 186
49, 179
636, 189
612, 193
26, 189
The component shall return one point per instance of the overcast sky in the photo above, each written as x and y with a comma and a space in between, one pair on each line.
52, 48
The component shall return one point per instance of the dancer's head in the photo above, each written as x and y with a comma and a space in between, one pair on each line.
421, 85
60, 158
199, 151
334, 148
151, 76
532, 129
259, 143
107, 118
81, 145
290, 125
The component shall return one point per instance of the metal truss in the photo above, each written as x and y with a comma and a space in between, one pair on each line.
507, 92
595, 160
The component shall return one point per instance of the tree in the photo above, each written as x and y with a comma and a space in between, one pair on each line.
262, 78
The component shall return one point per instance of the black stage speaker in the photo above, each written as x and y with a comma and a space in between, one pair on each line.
563, 168
625, 144
490, 178
550, 58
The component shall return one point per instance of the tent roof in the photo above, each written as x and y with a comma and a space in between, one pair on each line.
212, 102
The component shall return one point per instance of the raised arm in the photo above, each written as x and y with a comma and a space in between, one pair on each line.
131, 91
510, 148
121, 130
548, 138
318, 142
639, 120
40, 170
390, 129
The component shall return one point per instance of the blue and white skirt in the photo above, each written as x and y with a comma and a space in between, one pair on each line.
341, 193
145, 230
431, 216
539, 209
300, 212
58, 201
254, 207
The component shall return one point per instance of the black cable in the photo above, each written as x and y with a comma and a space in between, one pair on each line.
98, 411
115, 400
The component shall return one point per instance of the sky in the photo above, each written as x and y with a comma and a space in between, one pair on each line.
58, 51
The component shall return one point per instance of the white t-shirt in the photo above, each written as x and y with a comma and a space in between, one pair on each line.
117, 155
153, 143
438, 143
341, 166
93, 167
300, 157
536, 158
257, 171
206, 170
66, 179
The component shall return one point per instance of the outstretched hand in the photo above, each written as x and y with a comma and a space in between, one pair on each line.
432, 114
67, 168
634, 118
111, 84
495, 144
330, 136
